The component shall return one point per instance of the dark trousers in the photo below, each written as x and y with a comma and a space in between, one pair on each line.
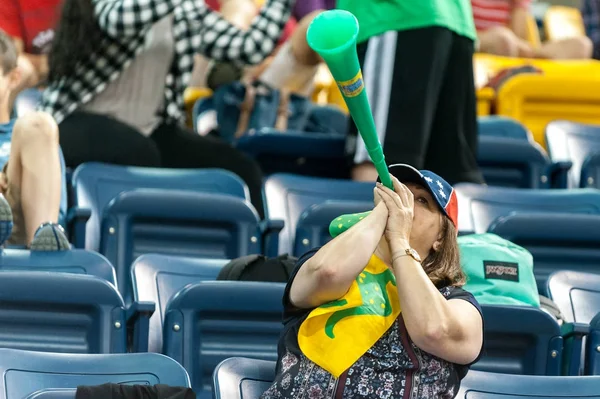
88, 137
432, 119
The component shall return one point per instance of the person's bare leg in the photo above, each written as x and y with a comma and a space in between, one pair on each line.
577, 48
364, 172
34, 169
502, 41
295, 65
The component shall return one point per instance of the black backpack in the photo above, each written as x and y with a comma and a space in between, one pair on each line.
259, 268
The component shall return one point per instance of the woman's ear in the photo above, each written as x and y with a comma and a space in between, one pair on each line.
437, 245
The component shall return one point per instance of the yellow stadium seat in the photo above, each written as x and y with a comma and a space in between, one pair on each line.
485, 97
190, 97
535, 100
563, 23
533, 33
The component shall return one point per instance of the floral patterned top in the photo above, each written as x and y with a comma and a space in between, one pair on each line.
393, 368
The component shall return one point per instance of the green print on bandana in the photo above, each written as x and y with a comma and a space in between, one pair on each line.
372, 289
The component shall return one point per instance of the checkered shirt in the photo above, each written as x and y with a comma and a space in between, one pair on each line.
590, 10
196, 30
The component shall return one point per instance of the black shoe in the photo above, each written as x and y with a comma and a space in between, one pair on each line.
50, 237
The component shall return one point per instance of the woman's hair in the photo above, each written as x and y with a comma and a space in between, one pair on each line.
77, 36
443, 266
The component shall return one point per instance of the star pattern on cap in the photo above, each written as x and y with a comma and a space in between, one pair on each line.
428, 179
442, 194
440, 185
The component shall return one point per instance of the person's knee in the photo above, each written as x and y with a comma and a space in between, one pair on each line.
38, 126
582, 47
499, 41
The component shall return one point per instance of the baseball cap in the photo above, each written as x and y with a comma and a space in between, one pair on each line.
442, 192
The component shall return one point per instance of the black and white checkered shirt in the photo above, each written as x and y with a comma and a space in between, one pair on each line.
196, 30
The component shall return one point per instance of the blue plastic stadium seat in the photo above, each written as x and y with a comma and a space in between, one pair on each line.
508, 162
577, 295
242, 378
557, 241
520, 340
77, 261
157, 278
482, 385
210, 321
67, 313
288, 196
571, 141
479, 205
177, 223
590, 171
502, 126
312, 154
52, 375
313, 227
96, 184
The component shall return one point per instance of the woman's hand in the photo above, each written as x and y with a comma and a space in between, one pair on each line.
400, 206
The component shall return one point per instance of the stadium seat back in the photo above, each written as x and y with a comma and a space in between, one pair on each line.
176, 222
577, 294
480, 205
77, 261
509, 162
157, 278
313, 227
520, 340
288, 196
503, 127
242, 378
483, 385
557, 241
210, 321
53, 375
96, 184
60, 312
571, 141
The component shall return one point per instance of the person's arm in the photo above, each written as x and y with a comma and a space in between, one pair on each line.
215, 38
519, 19
327, 276
123, 18
449, 329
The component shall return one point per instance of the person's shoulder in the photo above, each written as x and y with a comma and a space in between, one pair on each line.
290, 312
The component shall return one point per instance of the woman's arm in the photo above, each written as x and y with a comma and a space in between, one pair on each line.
214, 37
327, 276
449, 329
123, 18
519, 19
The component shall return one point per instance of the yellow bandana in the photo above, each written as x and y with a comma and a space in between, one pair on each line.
336, 334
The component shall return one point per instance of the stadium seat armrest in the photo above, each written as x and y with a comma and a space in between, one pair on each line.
138, 324
77, 219
574, 329
270, 231
558, 174
573, 334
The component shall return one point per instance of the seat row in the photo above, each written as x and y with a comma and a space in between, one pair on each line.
125, 212
57, 376
179, 310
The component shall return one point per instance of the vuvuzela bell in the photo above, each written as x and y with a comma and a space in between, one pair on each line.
332, 35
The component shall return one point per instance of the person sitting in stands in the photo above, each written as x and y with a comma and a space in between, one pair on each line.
378, 312
502, 29
32, 179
